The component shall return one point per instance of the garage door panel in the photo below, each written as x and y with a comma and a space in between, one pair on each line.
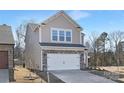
63, 61
54, 62
3, 59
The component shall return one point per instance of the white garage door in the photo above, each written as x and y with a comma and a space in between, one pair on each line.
63, 61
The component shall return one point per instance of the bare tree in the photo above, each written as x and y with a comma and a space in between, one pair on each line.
93, 51
115, 38
101, 42
98, 48
105, 48
20, 43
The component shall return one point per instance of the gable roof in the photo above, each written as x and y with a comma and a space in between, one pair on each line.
6, 36
33, 26
62, 13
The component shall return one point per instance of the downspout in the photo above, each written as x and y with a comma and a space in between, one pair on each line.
13, 65
13, 57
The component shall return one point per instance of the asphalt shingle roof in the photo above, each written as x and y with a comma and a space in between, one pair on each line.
6, 36
61, 45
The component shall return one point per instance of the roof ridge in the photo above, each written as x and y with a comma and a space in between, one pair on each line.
67, 16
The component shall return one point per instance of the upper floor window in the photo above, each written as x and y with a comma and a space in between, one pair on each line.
54, 35
61, 35
68, 36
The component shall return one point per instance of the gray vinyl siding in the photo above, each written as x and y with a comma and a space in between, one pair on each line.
63, 23
32, 50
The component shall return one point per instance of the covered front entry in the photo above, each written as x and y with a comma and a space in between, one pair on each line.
3, 60
60, 61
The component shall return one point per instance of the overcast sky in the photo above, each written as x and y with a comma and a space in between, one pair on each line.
92, 21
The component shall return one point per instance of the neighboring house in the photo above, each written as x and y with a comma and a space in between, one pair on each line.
55, 44
121, 52
6, 50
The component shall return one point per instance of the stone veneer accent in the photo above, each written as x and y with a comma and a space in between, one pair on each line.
44, 57
10, 49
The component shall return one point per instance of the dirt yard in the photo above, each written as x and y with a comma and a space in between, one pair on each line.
119, 69
115, 69
23, 75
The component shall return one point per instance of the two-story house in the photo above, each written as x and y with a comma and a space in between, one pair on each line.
55, 44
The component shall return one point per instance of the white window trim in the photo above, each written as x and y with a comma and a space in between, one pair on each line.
52, 36
60, 29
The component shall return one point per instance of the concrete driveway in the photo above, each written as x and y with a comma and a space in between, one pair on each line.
78, 76
4, 76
